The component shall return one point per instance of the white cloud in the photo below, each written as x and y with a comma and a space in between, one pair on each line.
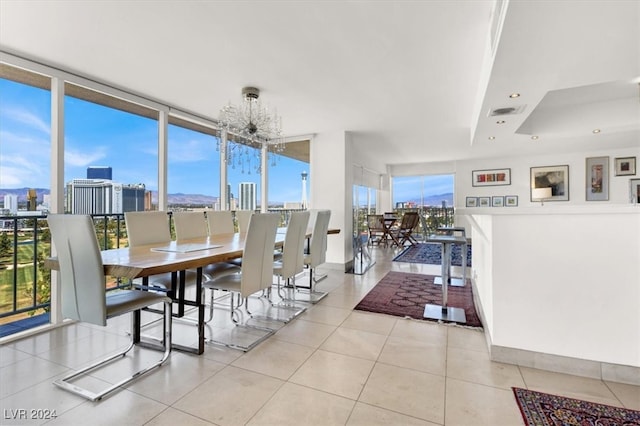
189, 151
82, 159
23, 116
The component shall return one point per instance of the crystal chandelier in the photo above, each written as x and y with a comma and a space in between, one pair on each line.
251, 125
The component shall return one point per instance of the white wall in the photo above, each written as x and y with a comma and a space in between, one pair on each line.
563, 278
331, 171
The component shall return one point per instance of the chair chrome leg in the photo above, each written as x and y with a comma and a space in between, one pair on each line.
65, 382
310, 294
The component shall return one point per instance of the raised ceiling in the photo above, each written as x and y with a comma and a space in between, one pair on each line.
414, 81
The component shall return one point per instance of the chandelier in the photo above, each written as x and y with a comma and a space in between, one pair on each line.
251, 124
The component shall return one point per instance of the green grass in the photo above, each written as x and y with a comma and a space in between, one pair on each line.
25, 277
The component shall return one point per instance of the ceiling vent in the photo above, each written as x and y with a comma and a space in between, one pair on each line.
506, 111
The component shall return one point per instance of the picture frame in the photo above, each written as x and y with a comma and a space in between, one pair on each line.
625, 166
597, 179
497, 201
471, 202
484, 201
634, 191
511, 200
554, 177
492, 177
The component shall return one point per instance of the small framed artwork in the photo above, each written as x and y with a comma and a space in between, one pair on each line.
493, 177
497, 201
625, 166
511, 200
472, 202
554, 177
634, 191
484, 201
597, 179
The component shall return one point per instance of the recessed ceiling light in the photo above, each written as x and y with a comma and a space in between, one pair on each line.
491, 138
534, 137
596, 130
500, 122
514, 95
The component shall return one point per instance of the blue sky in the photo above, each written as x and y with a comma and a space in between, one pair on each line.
101, 136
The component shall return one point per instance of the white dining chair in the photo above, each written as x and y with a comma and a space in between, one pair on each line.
85, 299
256, 275
291, 263
147, 228
220, 222
191, 225
316, 256
242, 218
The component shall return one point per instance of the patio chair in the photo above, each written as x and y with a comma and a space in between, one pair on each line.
377, 233
404, 232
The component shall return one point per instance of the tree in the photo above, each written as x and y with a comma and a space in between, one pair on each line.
6, 244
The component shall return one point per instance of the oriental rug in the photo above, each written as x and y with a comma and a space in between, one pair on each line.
405, 295
542, 409
431, 253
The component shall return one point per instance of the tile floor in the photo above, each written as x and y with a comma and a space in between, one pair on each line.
332, 365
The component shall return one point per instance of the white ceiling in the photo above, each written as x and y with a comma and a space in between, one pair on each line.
413, 80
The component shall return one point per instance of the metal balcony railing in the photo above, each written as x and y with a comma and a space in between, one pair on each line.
25, 284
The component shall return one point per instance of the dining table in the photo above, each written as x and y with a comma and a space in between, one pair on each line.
176, 258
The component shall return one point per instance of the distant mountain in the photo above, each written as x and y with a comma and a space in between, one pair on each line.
186, 199
434, 200
207, 200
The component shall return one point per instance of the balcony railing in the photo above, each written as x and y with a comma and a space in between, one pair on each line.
25, 241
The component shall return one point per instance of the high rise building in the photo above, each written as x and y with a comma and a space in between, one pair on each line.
248, 196
304, 190
103, 196
99, 172
11, 203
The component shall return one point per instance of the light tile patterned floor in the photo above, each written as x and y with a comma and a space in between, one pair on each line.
330, 366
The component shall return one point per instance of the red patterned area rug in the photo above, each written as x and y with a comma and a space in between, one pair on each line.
405, 295
542, 409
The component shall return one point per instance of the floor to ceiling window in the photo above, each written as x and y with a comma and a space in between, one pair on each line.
25, 126
193, 170
105, 140
25, 158
289, 183
423, 191
243, 176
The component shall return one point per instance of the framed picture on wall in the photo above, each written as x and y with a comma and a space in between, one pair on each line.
625, 166
484, 201
472, 202
554, 177
634, 191
597, 179
511, 200
497, 201
493, 177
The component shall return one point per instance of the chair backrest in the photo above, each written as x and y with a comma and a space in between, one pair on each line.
257, 259
318, 246
81, 270
150, 227
409, 221
220, 222
293, 250
375, 222
189, 225
242, 218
